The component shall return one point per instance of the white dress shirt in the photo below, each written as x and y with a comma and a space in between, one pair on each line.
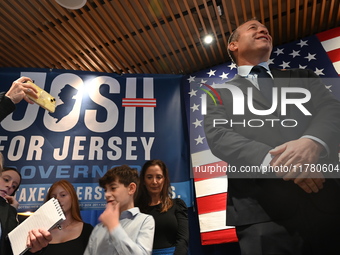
134, 235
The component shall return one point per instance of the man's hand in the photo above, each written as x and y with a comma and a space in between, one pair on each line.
38, 239
312, 183
296, 155
110, 216
20, 89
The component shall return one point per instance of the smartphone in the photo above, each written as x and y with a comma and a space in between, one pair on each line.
45, 100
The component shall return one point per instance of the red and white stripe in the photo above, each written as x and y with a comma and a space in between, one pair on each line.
139, 102
211, 197
330, 41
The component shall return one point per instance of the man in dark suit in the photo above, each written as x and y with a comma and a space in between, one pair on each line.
294, 208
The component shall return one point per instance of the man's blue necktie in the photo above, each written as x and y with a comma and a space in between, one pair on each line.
264, 81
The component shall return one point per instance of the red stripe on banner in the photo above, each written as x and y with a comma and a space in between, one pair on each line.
220, 236
329, 34
212, 203
139, 99
202, 179
334, 55
138, 105
139, 102
211, 170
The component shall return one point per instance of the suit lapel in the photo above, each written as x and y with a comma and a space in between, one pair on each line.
244, 84
281, 80
259, 101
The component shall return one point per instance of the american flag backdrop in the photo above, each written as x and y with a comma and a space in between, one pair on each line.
320, 53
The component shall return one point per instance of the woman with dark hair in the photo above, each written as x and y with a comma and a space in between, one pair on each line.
171, 218
71, 236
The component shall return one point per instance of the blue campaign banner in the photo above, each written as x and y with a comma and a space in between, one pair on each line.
101, 120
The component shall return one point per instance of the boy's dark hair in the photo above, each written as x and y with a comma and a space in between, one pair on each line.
123, 174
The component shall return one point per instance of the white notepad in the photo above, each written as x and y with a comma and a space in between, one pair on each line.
46, 217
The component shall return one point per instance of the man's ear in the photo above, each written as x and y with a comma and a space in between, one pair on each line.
233, 46
132, 188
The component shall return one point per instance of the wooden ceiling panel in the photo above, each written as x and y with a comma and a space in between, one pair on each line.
146, 36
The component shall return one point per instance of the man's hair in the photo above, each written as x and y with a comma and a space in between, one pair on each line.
233, 37
123, 174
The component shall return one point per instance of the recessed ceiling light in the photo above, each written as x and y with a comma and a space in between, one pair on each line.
208, 39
